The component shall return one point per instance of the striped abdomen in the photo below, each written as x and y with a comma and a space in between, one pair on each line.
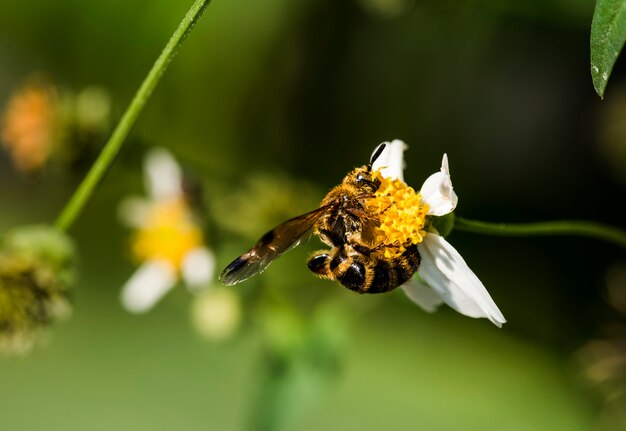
364, 273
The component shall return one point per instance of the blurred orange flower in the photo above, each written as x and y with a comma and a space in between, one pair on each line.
28, 126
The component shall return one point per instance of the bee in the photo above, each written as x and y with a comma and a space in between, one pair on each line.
344, 223
358, 267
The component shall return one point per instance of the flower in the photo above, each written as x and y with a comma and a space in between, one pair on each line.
168, 241
29, 126
36, 272
406, 218
216, 313
44, 124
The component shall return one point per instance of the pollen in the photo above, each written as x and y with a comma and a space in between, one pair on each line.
401, 216
169, 233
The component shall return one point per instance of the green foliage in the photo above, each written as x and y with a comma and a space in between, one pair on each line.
608, 33
263, 201
110, 150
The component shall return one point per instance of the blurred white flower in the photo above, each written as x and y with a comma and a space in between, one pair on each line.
167, 242
443, 275
216, 313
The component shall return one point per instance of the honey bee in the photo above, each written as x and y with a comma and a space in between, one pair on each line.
359, 268
344, 223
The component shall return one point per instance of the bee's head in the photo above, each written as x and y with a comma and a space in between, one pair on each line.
363, 177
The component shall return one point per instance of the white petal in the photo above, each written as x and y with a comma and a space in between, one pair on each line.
133, 211
147, 285
437, 191
198, 267
422, 294
444, 269
163, 176
391, 160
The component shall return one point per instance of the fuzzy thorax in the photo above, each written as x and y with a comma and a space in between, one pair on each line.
402, 216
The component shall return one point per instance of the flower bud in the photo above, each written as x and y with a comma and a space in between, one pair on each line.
36, 270
216, 313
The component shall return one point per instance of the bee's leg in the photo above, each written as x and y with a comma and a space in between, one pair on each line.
363, 249
319, 263
362, 197
366, 250
376, 214
358, 215
330, 237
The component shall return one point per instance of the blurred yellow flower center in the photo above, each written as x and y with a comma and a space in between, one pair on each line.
402, 216
169, 233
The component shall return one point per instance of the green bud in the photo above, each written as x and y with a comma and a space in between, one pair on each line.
36, 271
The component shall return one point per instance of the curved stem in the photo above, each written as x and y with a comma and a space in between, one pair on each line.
557, 227
107, 156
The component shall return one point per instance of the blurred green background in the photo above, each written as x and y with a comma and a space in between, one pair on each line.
303, 91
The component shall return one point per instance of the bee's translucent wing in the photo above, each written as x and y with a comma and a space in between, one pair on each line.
270, 246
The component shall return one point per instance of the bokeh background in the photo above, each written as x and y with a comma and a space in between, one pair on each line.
267, 106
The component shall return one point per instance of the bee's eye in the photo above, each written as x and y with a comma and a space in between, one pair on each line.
361, 178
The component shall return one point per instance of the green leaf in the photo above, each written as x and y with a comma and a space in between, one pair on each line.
608, 33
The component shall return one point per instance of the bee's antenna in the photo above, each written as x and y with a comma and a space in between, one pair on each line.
377, 152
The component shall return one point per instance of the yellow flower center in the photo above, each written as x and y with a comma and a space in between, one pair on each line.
402, 216
169, 233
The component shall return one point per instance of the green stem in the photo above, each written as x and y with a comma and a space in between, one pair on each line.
107, 156
557, 227
269, 409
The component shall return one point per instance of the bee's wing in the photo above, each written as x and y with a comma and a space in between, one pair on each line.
368, 229
271, 245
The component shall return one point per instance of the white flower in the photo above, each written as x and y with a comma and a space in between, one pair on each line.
216, 313
445, 277
167, 242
